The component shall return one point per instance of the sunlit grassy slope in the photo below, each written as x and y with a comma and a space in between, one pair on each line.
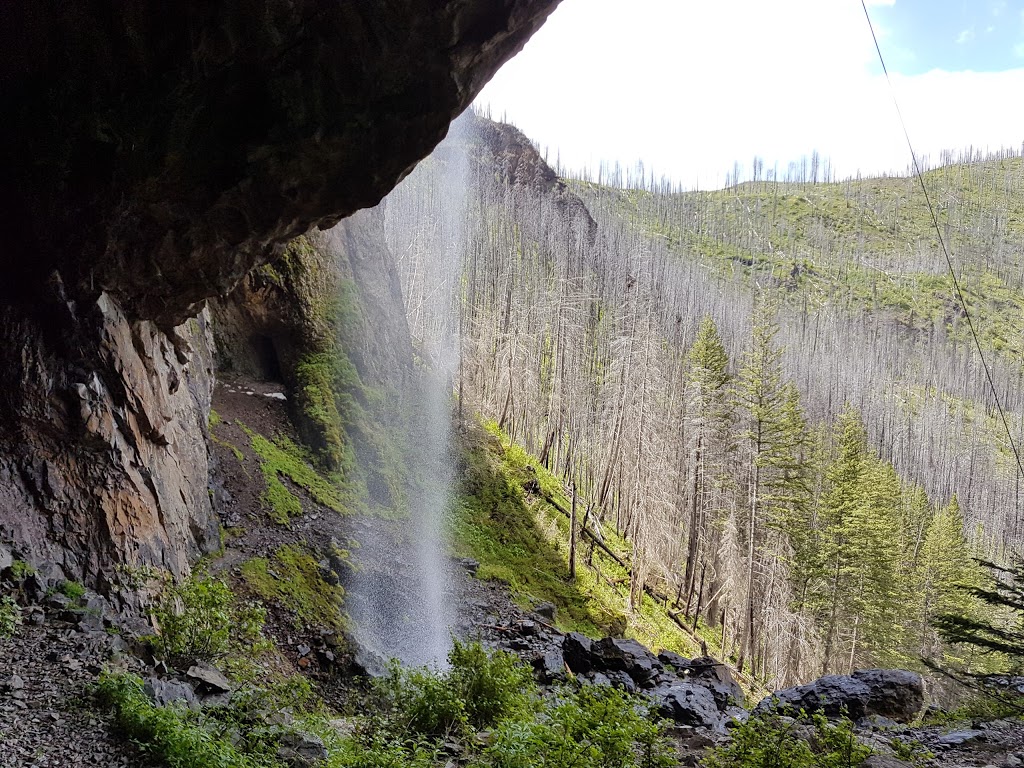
521, 538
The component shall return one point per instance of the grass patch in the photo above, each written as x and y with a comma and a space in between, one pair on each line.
292, 579
283, 458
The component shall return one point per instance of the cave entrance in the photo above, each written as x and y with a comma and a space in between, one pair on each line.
268, 364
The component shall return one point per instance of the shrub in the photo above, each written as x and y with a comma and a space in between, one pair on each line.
72, 590
199, 621
10, 617
20, 570
480, 688
774, 741
595, 727
494, 685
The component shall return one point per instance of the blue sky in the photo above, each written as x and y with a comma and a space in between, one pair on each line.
689, 87
953, 35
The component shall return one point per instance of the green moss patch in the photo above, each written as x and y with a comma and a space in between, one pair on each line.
284, 459
292, 580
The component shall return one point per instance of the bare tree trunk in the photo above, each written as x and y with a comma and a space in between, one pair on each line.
572, 536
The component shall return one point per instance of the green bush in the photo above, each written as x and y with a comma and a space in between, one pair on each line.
10, 617
72, 590
198, 620
596, 727
480, 688
494, 685
774, 741
171, 734
20, 570
424, 703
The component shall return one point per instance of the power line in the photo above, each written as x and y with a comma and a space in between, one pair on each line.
942, 243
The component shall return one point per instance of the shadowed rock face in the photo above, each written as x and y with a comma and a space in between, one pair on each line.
159, 154
151, 154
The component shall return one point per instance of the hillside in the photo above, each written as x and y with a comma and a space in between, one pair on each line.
862, 255
802, 459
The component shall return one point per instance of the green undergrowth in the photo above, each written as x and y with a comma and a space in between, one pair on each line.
281, 458
201, 619
232, 735
291, 578
414, 718
806, 741
522, 539
420, 714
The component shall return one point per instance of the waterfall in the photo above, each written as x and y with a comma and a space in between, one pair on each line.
401, 597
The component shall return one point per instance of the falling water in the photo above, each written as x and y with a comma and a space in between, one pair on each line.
402, 605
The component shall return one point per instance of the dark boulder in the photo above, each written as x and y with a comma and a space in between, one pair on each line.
673, 659
717, 678
894, 693
687, 704
549, 666
833, 695
576, 650
891, 693
629, 656
546, 611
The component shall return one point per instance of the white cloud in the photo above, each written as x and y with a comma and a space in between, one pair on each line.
1018, 50
689, 88
965, 36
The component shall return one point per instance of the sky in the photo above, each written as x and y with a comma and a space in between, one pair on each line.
690, 87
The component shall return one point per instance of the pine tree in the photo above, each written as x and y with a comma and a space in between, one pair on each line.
708, 420
774, 441
944, 565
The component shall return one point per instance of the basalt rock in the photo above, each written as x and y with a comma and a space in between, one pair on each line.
149, 159
159, 155
892, 693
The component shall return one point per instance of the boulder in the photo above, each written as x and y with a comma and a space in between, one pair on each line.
208, 678
891, 693
576, 650
673, 659
629, 656
894, 693
301, 750
716, 677
833, 695
163, 692
687, 704
546, 611
619, 679
549, 666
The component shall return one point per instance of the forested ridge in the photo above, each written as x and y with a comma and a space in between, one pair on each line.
767, 389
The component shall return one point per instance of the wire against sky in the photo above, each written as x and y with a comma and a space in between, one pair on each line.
942, 243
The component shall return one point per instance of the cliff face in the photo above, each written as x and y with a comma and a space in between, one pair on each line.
150, 159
